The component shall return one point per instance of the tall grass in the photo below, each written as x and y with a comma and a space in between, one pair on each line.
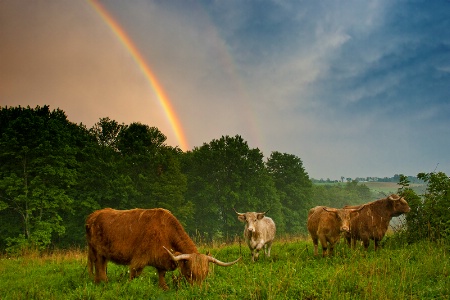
417, 271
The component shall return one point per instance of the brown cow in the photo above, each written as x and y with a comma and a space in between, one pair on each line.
143, 237
326, 224
259, 232
374, 222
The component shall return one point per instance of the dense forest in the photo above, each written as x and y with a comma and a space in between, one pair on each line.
53, 173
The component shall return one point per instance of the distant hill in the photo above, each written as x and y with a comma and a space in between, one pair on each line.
394, 179
387, 188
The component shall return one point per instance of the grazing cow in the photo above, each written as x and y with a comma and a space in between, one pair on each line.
143, 237
374, 222
259, 232
326, 224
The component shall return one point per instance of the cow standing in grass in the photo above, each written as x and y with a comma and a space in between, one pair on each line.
374, 222
259, 232
143, 237
326, 224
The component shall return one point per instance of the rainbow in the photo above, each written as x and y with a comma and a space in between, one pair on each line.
149, 75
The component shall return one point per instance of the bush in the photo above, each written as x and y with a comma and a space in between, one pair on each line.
429, 217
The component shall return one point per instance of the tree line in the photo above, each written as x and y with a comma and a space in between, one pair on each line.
54, 173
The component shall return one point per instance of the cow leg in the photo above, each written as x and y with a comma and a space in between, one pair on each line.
333, 242
348, 238
331, 249
353, 243
135, 272
316, 244
324, 243
255, 254
366, 243
162, 280
91, 260
100, 269
376, 242
268, 247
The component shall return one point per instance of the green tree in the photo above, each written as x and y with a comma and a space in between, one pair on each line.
154, 170
106, 133
224, 174
100, 181
436, 203
37, 167
415, 219
294, 188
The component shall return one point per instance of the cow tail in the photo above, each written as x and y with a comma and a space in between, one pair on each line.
91, 254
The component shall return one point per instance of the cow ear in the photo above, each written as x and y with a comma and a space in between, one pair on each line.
354, 212
241, 218
260, 216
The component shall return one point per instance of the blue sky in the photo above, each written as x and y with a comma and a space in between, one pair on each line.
353, 88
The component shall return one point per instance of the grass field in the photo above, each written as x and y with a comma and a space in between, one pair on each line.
418, 271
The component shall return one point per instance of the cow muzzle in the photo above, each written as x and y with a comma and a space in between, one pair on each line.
345, 229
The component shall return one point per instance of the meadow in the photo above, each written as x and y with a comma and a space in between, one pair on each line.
397, 271
387, 188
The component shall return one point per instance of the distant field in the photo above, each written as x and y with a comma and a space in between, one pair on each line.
388, 188
383, 188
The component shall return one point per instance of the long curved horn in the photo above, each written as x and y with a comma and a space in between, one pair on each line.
221, 263
178, 257
239, 214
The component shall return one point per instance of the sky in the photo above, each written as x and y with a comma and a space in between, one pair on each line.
352, 88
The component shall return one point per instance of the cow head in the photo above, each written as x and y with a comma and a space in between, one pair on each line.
344, 216
400, 206
250, 218
195, 266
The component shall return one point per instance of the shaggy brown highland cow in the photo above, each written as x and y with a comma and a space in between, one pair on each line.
325, 224
374, 222
143, 237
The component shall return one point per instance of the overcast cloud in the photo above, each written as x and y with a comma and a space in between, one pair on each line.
353, 88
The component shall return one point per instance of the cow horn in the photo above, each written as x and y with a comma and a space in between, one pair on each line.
391, 197
221, 263
178, 257
266, 211
329, 209
240, 214
358, 209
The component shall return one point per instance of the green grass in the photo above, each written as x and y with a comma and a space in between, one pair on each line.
418, 271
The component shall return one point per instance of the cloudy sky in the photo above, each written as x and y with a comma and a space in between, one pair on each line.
353, 88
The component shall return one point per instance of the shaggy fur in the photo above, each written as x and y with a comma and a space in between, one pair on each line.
259, 232
136, 238
326, 225
374, 222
